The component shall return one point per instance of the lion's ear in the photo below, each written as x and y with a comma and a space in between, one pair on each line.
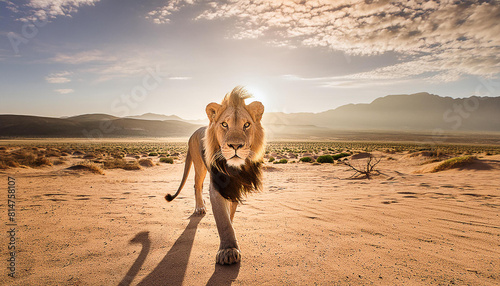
212, 109
256, 109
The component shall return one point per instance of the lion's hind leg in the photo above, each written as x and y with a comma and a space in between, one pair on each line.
199, 177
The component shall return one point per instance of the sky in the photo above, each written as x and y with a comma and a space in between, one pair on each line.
124, 57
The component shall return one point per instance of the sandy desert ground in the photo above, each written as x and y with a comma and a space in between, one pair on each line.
310, 226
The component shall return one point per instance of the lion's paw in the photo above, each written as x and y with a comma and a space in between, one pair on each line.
228, 256
200, 211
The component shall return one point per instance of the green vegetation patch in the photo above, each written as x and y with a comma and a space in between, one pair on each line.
282, 161
341, 155
453, 163
325, 159
167, 160
306, 159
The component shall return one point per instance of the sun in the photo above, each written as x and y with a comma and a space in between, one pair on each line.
257, 93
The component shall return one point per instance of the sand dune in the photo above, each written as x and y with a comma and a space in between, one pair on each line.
309, 226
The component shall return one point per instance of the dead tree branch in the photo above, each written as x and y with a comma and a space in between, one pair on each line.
367, 171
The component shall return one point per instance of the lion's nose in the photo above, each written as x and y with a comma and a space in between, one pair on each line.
235, 146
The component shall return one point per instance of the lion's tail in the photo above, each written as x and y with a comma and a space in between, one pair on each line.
187, 167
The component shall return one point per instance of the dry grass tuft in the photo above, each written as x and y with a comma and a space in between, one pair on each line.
132, 166
88, 166
436, 153
118, 163
58, 162
52, 153
90, 156
269, 168
453, 163
23, 157
146, 163
3, 165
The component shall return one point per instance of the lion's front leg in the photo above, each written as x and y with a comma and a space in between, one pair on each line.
229, 251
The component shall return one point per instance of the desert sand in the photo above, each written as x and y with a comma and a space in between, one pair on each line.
311, 225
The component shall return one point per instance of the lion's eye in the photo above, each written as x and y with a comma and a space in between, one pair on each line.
246, 125
224, 124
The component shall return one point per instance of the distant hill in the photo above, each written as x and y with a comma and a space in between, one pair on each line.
154, 116
91, 126
415, 112
91, 117
420, 112
162, 117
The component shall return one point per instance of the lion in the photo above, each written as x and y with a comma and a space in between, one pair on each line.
231, 149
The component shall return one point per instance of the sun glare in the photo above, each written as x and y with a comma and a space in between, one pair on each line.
258, 94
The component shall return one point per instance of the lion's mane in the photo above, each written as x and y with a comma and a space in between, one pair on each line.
231, 182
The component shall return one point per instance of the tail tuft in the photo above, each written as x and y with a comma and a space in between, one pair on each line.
169, 197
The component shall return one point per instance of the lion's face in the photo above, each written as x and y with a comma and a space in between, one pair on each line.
235, 132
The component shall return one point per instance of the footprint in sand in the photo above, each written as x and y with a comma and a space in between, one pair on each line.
82, 197
447, 186
54, 199
410, 195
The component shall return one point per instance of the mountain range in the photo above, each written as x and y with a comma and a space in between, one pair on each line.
420, 112
415, 112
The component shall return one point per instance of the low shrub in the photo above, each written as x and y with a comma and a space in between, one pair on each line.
306, 159
325, 159
339, 156
167, 160
282, 161
271, 159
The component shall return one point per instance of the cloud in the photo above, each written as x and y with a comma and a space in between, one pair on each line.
61, 77
105, 66
348, 81
446, 38
64, 90
44, 10
82, 57
100, 66
162, 14
11, 6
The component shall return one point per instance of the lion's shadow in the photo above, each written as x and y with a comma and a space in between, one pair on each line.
172, 268
142, 238
224, 275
